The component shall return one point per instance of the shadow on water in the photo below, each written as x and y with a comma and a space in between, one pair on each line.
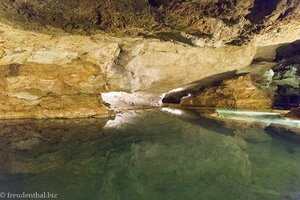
199, 117
283, 134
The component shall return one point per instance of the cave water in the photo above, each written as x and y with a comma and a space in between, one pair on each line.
150, 99
149, 154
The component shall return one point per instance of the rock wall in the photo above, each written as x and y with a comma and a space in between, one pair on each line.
57, 57
127, 64
62, 76
266, 85
238, 93
33, 90
274, 72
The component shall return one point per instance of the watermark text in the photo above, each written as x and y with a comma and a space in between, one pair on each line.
26, 195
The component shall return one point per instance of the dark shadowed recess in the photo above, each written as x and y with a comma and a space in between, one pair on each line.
287, 76
261, 9
169, 37
156, 3
198, 86
287, 51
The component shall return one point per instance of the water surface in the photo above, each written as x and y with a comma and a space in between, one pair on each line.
148, 155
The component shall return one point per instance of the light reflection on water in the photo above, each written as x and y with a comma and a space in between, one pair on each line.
262, 117
148, 155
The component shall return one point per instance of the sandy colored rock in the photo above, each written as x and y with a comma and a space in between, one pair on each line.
40, 90
211, 23
42, 79
241, 93
35, 67
57, 58
53, 106
119, 64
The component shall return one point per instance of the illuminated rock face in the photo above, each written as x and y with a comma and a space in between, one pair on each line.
53, 106
36, 69
49, 84
272, 85
240, 93
120, 64
56, 57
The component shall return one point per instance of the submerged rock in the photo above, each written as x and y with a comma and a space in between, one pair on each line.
152, 155
27, 144
152, 150
284, 131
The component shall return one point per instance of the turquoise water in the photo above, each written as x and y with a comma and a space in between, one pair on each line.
148, 155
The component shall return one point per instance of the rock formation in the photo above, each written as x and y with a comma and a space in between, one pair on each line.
287, 76
241, 93
275, 77
213, 22
56, 57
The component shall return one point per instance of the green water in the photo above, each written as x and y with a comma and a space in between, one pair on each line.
148, 155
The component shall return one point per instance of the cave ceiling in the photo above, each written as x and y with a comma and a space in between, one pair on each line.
218, 22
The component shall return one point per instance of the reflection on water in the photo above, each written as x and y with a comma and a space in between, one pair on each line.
263, 117
148, 155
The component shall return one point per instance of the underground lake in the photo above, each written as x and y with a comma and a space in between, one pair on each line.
151, 154
150, 99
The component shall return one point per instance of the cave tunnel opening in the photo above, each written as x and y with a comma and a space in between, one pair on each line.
120, 101
286, 102
175, 96
282, 98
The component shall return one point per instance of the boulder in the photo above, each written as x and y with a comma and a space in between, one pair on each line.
237, 93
